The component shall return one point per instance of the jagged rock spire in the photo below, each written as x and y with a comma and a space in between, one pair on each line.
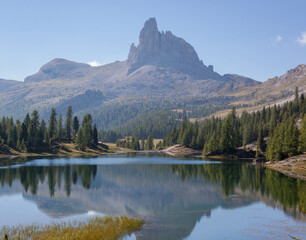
163, 49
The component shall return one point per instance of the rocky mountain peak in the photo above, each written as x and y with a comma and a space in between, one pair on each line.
149, 35
293, 75
164, 49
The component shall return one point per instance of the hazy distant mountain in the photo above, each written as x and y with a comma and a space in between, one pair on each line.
5, 84
58, 68
161, 67
277, 87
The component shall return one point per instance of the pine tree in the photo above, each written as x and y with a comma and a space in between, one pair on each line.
75, 125
95, 135
149, 143
193, 143
80, 140
34, 123
291, 138
23, 135
302, 108
42, 131
137, 144
302, 138
87, 134
260, 143
283, 141
27, 120
227, 142
273, 118
60, 127
30, 144
68, 123
11, 133
142, 143
52, 126
23, 146
187, 136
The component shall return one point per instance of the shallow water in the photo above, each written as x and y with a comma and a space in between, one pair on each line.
185, 198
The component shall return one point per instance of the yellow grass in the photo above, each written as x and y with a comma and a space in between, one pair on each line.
62, 149
106, 228
223, 113
294, 166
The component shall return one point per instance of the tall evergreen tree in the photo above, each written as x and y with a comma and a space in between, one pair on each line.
95, 135
42, 131
52, 126
142, 143
149, 143
75, 125
34, 122
68, 123
60, 127
80, 140
260, 143
302, 138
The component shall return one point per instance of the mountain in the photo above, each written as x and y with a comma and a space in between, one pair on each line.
58, 68
161, 65
277, 87
5, 84
167, 51
163, 71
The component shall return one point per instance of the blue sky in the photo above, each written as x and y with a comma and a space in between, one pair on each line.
257, 39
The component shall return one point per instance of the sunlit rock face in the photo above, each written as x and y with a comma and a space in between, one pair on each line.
163, 49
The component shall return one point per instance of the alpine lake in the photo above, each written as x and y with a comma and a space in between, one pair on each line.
179, 198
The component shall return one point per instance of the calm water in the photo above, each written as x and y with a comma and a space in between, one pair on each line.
178, 198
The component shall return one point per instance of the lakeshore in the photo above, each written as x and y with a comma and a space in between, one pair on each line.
293, 167
59, 149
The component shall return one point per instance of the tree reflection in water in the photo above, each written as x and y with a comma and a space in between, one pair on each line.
290, 192
31, 176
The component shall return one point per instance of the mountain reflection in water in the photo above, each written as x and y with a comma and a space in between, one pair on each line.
172, 198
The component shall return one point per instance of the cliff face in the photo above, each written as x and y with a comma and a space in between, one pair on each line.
163, 49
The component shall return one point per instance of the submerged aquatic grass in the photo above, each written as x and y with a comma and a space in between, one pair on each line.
108, 228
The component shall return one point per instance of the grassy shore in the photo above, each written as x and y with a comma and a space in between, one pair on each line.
293, 167
106, 228
58, 149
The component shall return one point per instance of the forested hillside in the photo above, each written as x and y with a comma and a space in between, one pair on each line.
224, 136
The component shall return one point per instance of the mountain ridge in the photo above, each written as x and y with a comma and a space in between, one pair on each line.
162, 67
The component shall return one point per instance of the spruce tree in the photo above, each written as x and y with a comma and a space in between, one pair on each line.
30, 144
80, 140
34, 122
95, 135
260, 143
142, 143
42, 131
227, 143
52, 126
137, 144
68, 123
149, 142
87, 134
27, 120
11, 133
302, 138
75, 125
60, 127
